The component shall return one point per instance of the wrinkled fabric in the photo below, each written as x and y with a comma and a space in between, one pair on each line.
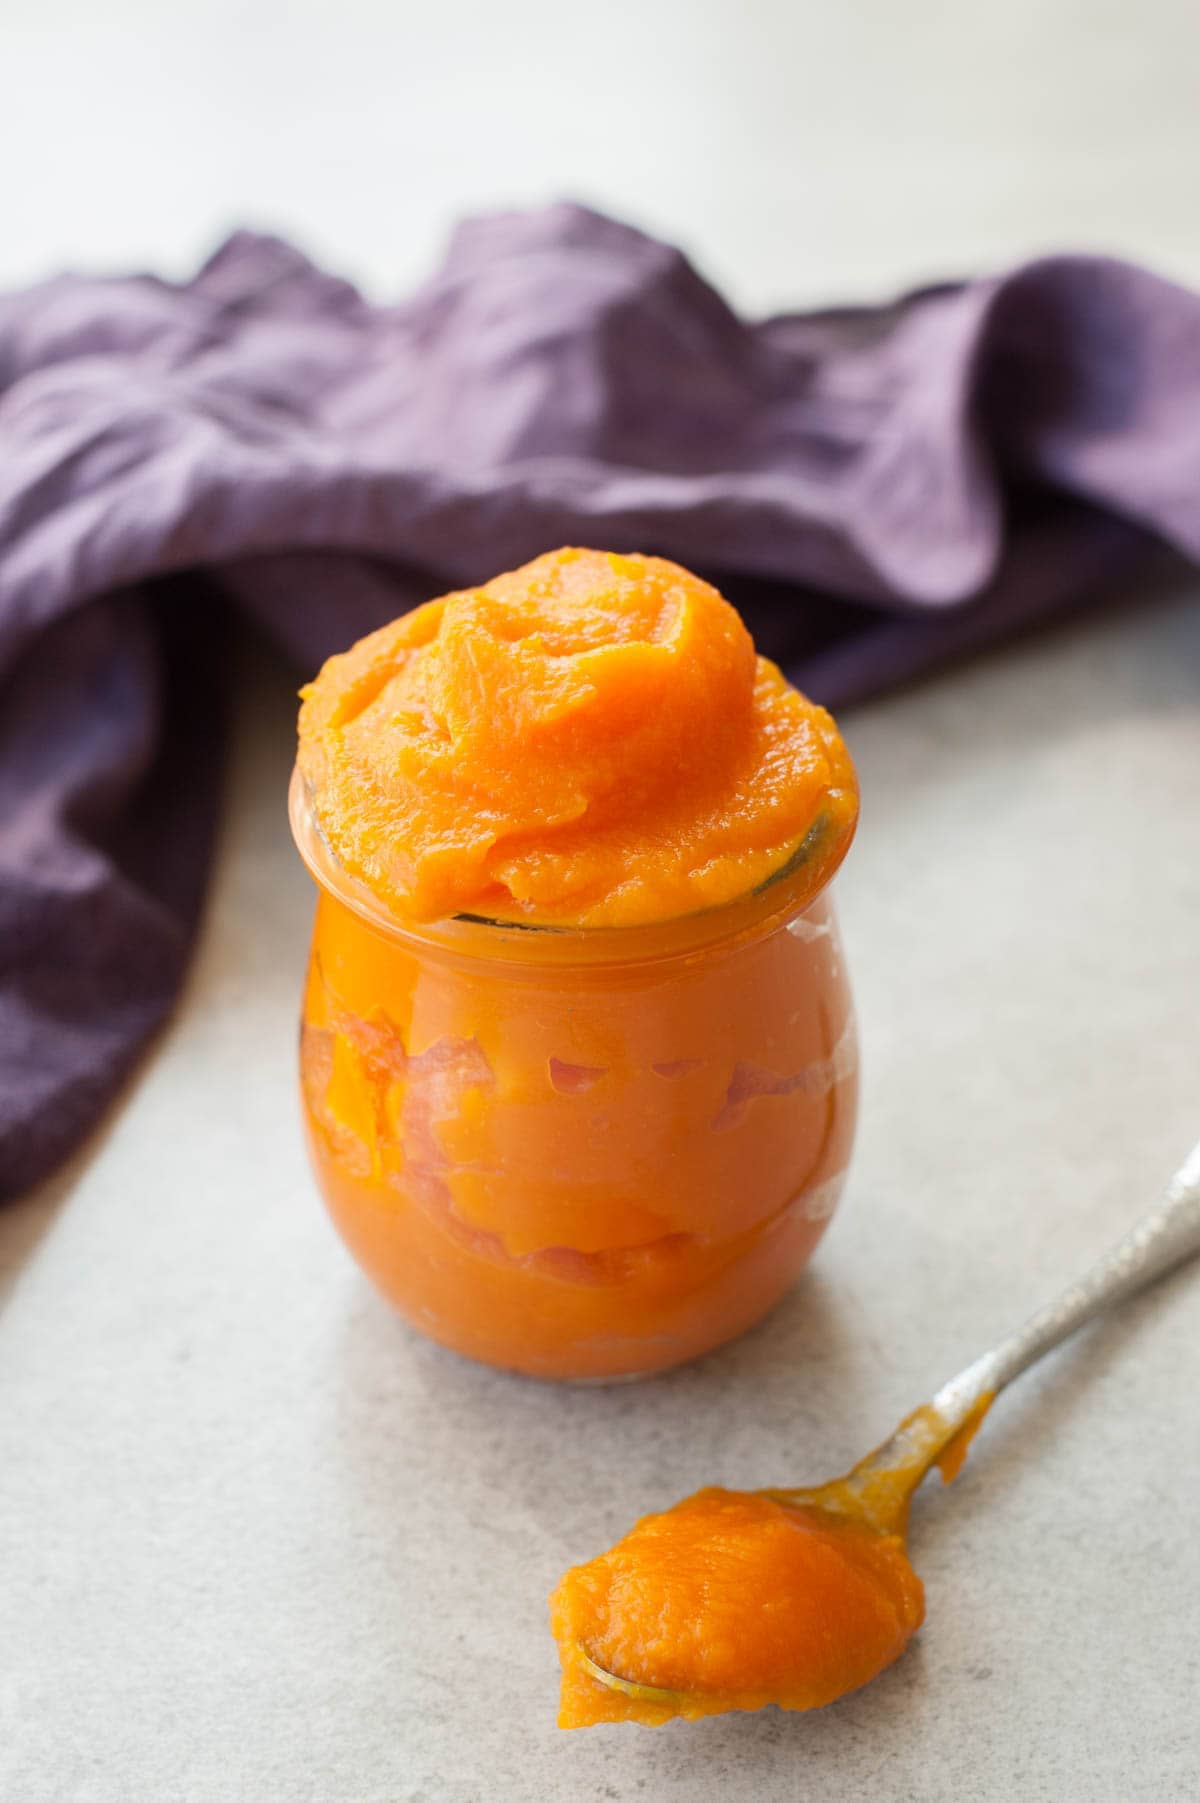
879, 489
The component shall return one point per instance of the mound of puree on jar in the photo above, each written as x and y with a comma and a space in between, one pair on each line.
590, 740
731, 1600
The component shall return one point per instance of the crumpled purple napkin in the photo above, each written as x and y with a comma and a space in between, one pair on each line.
878, 488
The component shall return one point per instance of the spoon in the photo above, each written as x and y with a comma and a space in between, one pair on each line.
876, 1493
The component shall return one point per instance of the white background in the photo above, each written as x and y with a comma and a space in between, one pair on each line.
805, 152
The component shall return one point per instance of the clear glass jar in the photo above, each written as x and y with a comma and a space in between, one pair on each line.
578, 1153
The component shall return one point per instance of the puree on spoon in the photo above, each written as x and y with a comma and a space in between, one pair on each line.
731, 1600
735, 1599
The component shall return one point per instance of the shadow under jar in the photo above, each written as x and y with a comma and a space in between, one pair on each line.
578, 1153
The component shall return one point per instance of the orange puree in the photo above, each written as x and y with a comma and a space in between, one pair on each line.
579, 1081
732, 1600
589, 739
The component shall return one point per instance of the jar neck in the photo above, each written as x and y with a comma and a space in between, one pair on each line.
791, 891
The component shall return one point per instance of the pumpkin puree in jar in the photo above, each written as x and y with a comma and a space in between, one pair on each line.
732, 1600
606, 1144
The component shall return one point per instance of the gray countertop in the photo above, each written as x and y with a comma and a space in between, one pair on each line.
260, 1542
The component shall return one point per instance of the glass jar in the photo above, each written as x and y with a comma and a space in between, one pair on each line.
578, 1153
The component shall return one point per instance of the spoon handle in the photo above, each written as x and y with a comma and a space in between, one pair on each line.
1162, 1239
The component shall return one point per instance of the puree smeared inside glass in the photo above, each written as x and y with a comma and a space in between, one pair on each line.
588, 740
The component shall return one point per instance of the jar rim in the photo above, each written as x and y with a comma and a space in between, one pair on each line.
786, 893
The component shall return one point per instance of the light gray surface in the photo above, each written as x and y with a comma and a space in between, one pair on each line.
260, 1544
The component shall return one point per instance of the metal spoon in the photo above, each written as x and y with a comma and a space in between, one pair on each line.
878, 1490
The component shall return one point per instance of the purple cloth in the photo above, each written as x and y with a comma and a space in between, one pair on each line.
878, 488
